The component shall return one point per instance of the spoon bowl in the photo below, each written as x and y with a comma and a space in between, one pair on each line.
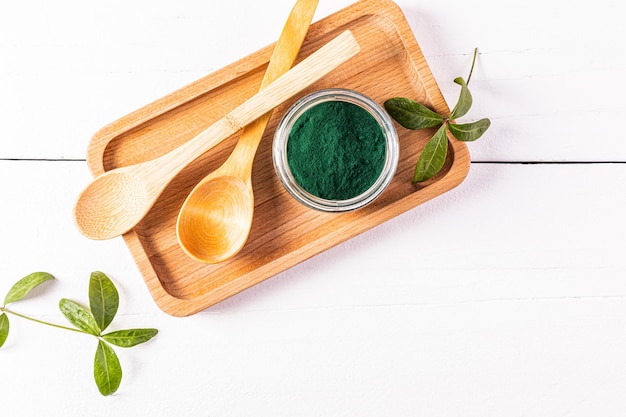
128, 195
217, 219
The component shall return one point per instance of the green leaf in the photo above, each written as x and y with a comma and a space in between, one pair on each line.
130, 338
107, 370
79, 316
26, 285
465, 100
411, 114
103, 299
4, 328
433, 156
469, 131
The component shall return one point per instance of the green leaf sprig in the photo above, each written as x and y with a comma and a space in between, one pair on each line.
103, 305
413, 115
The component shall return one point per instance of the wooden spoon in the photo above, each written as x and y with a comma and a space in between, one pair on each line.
215, 220
114, 202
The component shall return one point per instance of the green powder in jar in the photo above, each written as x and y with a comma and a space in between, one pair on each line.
336, 150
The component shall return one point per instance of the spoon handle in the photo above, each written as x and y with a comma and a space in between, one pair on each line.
302, 75
283, 56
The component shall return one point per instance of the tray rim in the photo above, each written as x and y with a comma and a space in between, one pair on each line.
180, 306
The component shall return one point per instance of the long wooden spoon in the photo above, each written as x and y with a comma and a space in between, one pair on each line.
114, 202
214, 222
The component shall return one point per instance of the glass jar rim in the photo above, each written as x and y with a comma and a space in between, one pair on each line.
281, 137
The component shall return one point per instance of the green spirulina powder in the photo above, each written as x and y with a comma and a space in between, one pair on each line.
336, 150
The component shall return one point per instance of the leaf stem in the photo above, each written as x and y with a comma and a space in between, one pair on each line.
472, 68
58, 326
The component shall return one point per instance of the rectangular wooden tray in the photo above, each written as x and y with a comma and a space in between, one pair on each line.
283, 233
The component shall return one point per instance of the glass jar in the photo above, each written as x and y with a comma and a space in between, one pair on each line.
281, 141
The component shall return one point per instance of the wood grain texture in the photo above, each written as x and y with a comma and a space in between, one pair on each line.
283, 233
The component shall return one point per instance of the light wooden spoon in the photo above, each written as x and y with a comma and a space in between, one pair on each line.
114, 202
214, 222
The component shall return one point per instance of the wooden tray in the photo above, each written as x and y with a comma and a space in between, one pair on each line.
283, 233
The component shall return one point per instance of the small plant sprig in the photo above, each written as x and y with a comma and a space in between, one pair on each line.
103, 304
413, 115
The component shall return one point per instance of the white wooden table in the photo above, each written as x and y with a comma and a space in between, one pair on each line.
503, 297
